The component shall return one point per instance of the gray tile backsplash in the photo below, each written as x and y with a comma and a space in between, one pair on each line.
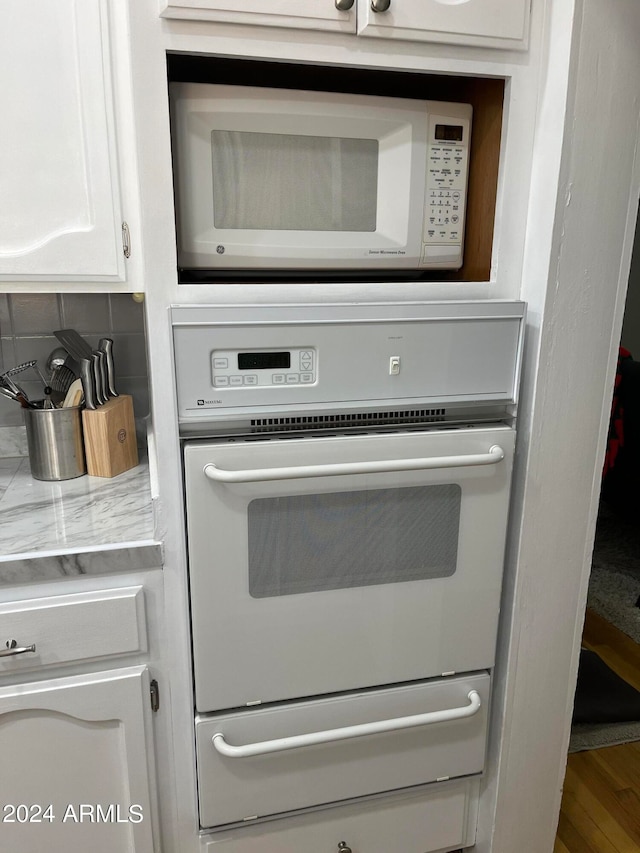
27, 322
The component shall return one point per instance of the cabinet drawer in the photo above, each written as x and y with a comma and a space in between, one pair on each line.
429, 819
447, 742
69, 628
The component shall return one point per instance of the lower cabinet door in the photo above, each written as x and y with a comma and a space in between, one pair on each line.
430, 819
75, 765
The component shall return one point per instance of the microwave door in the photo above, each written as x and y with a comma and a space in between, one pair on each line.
320, 565
304, 185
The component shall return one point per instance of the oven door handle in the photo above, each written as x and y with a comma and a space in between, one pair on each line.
261, 475
348, 732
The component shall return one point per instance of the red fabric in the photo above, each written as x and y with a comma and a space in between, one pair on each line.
616, 422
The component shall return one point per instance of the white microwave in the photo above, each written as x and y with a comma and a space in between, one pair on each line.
275, 179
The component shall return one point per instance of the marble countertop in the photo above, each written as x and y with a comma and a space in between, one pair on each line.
88, 525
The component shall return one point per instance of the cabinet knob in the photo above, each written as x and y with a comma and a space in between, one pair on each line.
344, 5
343, 847
380, 5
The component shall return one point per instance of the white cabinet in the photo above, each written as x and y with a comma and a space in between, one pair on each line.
65, 629
311, 14
74, 764
485, 23
77, 749
60, 216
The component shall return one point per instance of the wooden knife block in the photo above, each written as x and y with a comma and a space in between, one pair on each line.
110, 437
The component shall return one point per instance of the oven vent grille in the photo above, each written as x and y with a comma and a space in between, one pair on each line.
348, 419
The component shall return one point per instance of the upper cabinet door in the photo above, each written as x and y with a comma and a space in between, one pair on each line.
60, 212
485, 23
310, 14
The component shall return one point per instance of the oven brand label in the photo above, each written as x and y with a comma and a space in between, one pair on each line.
209, 402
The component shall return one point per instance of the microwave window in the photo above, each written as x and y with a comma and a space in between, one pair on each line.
286, 182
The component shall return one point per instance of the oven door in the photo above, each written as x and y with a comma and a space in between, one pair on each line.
324, 564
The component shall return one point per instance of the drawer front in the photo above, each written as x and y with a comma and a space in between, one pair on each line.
446, 740
69, 628
430, 819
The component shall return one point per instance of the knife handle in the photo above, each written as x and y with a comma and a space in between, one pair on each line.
85, 369
105, 345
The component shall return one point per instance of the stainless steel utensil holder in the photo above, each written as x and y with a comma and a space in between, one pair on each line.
55, 442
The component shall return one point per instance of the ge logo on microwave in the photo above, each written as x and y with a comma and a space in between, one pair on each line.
220, 250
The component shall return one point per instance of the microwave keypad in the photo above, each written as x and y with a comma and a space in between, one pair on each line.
445, 203
263, 368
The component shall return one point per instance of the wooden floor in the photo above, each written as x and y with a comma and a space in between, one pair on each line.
601, 801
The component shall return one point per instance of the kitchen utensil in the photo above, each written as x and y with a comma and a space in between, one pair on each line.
102, 363
55, 443
61, 379
56, 358
81, 363
25, 366
15, 392
74, 395
97, 375
20, 368
74, 343
10, 395
105, 345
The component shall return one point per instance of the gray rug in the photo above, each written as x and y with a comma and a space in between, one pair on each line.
595, 736
614, 585
614, 588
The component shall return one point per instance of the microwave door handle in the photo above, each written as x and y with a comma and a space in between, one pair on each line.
348, 732
259, 475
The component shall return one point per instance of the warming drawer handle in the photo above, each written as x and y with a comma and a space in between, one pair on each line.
260, 475
348, 732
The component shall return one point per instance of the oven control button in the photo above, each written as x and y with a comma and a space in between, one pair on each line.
251, 379
293, 378
235, 380
278, 378
220, 363
221, 380
306, 377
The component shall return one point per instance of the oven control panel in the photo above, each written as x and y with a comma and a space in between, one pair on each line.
244, 368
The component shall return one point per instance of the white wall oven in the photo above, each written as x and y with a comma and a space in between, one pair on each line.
347, 477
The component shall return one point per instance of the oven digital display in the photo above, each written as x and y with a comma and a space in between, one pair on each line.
449, 132
264, 360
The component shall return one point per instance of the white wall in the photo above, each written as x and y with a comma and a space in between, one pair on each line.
576, 321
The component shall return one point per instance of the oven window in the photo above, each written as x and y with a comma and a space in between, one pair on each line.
282, 182
310, 543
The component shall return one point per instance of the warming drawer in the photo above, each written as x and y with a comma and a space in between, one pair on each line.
268, 761
429, 819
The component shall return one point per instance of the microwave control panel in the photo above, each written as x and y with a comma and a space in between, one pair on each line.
251, 368
446, 189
